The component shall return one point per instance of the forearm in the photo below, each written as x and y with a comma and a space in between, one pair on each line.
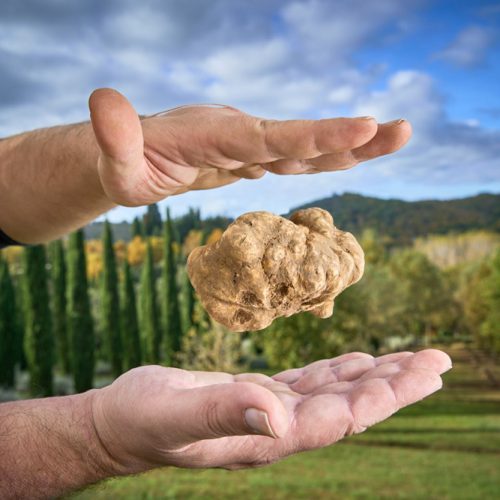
49, 447
49, 183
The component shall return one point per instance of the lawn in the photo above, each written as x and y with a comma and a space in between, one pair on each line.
445, 447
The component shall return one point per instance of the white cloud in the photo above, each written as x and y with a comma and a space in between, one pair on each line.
441, 150
470, 47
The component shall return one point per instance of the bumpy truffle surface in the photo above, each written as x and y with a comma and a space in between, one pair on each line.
265, 266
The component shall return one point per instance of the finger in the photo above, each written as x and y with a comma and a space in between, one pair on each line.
203, 378
344, 372
300, 139
392, 357
333, 162
430, 359
410, 386
231, 409
338, 360
288, 376
324, 381
117, 127
209, 178
118, 132
390, 137
268, 140
349, 367
293, 374
287, 167
249, 172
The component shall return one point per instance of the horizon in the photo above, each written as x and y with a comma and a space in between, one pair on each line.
100, 220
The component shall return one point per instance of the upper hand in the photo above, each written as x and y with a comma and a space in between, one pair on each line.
202, 147
154, 416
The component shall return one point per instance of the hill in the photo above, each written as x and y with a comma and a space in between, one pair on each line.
403, 221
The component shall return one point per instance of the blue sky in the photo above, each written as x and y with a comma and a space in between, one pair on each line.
434, 63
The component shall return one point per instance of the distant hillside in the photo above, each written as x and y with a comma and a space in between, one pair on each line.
403, 221
121, 231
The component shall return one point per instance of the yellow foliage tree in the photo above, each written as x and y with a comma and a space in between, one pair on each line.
157, 246
120, 251
193, 240
136, 251
93, 249
214, 236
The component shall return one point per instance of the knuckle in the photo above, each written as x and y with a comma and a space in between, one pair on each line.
212, 418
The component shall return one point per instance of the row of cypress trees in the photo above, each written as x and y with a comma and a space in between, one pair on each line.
133, 331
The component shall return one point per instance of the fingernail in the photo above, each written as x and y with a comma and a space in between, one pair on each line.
397, 122
258, 421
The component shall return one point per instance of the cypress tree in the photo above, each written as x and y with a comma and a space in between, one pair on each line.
130, 327
9, 328
58, 275
110, 306
152, 221
149, 311
189, 300
136, 229
38, 339
170, 298
80, 324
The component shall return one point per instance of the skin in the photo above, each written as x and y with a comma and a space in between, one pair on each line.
155, 416
58, 179
55, 180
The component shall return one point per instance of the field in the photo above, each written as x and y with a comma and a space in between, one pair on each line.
445, 447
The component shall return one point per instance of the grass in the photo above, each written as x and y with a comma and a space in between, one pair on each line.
447, 446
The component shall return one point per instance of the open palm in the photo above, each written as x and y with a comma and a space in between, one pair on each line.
196, 147
154, 415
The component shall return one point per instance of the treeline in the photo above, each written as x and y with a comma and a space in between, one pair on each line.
398, 222
75, 305
53, 318
403, 221
403, 301
150, 224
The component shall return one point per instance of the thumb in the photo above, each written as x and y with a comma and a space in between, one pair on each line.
118, 132
232, 409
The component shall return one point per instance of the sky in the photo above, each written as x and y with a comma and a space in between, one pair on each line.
435, 63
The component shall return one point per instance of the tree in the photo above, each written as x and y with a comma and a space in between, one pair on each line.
136, 229
9, 327
150, 329
188, 302
489, 330
129, 324
152, 221
170, 298
58, 278
420, 289
136, 250
213, 349
38, 339
80, 323
110, 306
299, 339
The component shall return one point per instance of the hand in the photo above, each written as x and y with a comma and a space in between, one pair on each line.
153, 416
203, 147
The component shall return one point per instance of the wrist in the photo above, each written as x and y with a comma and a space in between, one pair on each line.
105, 457
50, 183
115, 443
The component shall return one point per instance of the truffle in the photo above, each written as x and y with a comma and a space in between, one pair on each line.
265, 266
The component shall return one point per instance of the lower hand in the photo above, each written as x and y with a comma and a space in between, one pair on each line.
142, 161
153, 416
